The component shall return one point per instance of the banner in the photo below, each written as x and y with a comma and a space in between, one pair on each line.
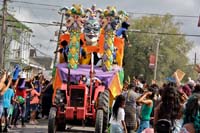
152, 61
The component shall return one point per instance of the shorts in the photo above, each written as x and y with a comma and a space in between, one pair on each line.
116, 128
33, 107
11, 109
143, 125
5, 112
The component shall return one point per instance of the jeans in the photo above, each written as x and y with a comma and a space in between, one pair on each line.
115, 128
143, 125
1, 109
27, 114
1, 113
19, 110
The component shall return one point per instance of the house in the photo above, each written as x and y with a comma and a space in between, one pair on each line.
17, 44
42, 64
18, 48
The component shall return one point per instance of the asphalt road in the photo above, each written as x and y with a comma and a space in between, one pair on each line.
42, 127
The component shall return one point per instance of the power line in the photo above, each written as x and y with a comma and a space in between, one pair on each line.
164, 33
146, 32
31, 22
35, 8
41, 4
156, 14
132, 13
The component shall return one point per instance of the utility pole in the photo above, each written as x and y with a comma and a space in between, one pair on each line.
3, 34
156, 64
195, 58
57, 46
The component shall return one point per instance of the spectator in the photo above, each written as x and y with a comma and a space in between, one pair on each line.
47, 93
3, 89
20, 96
7, 98
196, 89
117, 118
147, 105
170, 108
34, 104
191, 121
130, 108
28, 92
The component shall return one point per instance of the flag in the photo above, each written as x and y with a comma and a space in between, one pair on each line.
199, 22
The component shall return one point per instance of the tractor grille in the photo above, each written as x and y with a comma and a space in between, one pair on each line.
77, 98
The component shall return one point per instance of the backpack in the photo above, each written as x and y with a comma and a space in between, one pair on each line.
164, 126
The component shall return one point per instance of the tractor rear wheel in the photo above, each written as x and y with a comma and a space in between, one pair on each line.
52, 120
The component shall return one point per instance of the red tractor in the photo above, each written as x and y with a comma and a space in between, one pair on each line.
76, 101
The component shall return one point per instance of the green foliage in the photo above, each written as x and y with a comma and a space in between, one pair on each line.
15, 23
172, 51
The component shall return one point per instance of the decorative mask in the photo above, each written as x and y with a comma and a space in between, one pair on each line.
91, 31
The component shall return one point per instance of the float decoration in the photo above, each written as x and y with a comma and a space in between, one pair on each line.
110, 23
74, 25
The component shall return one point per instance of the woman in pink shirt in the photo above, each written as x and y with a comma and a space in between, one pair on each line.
34, 104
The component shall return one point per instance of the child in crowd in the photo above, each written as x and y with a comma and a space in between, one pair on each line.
34, 104
4, 85
8, 97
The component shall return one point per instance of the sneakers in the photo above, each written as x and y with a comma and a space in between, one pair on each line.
5, 130
40, 116
44, 117
23, 126
36, 122
9, 126
32, 122
13, 126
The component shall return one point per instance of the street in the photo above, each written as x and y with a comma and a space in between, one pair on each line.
42, 127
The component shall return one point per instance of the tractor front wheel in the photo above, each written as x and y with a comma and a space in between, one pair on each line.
99, 121
52, 120
102, 115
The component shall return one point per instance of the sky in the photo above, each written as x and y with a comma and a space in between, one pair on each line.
48, 14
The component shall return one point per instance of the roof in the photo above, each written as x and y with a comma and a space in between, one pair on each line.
45, 62
14, 22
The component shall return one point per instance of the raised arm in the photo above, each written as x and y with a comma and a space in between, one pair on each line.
143, 99
7, 86
3, 79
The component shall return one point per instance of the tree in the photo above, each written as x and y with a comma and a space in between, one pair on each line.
172, 52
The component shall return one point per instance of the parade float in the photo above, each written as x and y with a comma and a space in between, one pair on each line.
89, 73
